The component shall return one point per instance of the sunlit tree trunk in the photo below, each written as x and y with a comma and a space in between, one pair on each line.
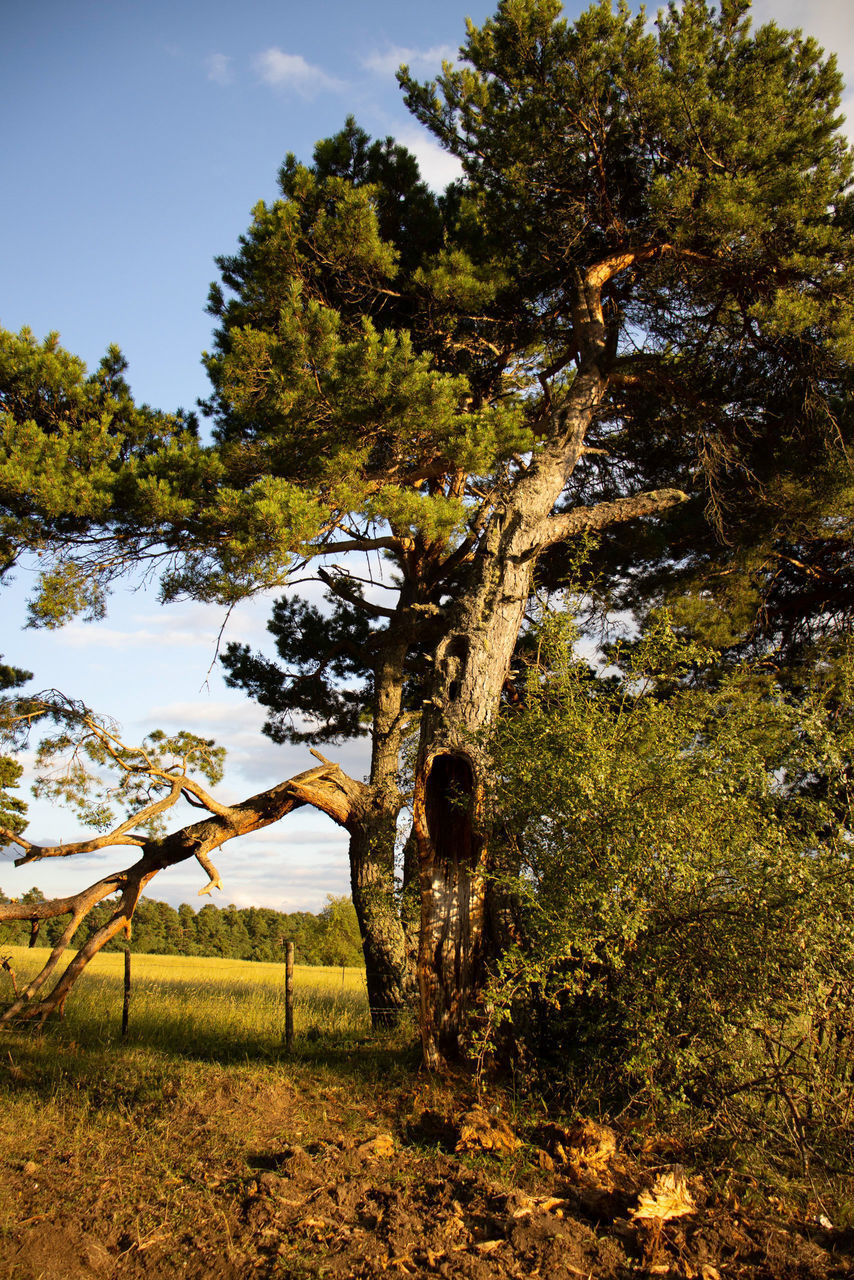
471, 664
372, 849
449, 823
384, 947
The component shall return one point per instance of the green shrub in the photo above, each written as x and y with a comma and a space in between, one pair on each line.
679, 856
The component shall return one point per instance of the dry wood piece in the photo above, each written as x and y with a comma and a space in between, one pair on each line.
381, 1145
668, 1197
158, 788
481, 1131
591, 1144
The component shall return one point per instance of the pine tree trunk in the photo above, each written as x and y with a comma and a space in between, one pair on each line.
388, 961
470, 666
449, 819
383, 940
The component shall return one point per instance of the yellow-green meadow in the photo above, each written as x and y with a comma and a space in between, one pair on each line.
204, 1005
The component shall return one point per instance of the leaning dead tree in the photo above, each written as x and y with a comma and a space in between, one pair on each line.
148, 781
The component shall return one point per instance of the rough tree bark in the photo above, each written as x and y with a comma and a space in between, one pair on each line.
386, 945
471, 664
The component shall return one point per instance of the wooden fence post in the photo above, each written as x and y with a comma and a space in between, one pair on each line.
126, 1002
289, 995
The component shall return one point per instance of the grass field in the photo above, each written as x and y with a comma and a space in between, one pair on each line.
135, 1157
222, 1009
200, 1149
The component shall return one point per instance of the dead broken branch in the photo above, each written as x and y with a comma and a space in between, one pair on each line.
326, 787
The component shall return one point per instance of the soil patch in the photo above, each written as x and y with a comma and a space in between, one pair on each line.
298, 1171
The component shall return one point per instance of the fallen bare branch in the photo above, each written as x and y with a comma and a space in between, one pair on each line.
326, 787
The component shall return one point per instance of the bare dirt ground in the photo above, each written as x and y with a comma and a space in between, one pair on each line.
129, 1165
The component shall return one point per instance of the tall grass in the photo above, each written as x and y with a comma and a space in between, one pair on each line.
221, 1009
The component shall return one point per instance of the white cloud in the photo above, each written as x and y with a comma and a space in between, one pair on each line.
239, 719
291, 867
420, 61
292, 874
80, 634
291, 71
438, 168
187, 625
219, 69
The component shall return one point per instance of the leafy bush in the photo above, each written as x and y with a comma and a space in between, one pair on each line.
679, 854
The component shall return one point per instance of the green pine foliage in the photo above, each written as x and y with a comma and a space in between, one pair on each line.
13, 809
387, 361
91, 772
713, 148
321, 695
407, 374
75, 455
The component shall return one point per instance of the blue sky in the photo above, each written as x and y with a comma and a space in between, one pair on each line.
138, 136
145, 131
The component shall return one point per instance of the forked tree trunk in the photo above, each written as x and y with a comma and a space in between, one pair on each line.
471, 663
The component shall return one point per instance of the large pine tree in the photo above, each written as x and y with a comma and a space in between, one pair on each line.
646, 268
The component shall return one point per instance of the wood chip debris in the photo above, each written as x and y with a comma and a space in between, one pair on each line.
381, 1145
668, 1197
481, 1131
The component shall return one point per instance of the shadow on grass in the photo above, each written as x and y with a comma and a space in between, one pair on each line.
84, 1061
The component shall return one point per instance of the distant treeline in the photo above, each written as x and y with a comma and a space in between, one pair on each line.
239, 933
